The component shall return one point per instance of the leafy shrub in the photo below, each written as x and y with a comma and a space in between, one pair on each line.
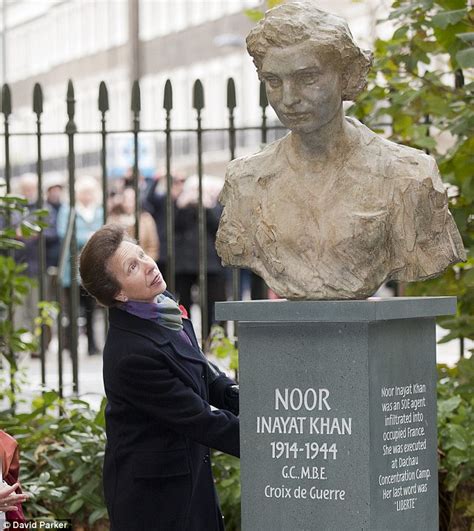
422, 84
226, 470
455, 444
62, 448
16, 220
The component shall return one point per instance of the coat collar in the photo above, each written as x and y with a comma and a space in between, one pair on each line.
159, 334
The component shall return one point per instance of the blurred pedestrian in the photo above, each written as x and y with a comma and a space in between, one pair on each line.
53, 185
155, 204
187, 244
26, 312
123, 213
89, 218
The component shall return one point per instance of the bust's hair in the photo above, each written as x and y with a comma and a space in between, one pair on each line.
293, 23
96, 277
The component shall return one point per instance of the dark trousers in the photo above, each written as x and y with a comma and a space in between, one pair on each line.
87, 306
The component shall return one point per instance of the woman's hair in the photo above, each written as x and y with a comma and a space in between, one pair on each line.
297, 22
96, 278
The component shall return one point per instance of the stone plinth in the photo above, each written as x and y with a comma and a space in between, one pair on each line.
338, 413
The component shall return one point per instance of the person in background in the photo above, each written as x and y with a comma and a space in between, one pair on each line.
53, 185
89, 218
155, 204
26, 313
143, 183
11, 495
53, 202
9, 500
160, 388
123, 213
187, 244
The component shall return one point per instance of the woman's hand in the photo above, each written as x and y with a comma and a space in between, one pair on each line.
8, 498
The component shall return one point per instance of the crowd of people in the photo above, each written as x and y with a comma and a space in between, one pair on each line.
120, 209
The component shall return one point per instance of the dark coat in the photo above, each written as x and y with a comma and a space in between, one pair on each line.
186, 244
155, 204
157, 469
187, 239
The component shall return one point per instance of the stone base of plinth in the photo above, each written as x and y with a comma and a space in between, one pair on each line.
338, 413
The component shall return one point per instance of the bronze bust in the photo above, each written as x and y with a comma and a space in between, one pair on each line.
332, 210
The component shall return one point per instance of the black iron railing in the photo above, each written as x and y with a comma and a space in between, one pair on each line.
69, 245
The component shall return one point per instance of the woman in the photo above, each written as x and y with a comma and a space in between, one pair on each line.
157, 470
9, 500
11, 495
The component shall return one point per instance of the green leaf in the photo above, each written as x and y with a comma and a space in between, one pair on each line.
79, 473
44, 476
457, 437
402, 11
400, 33
445, 407
466, 37
254, 14
465, 58
98, 514
447, 18
75, 506
8, 243
451, 4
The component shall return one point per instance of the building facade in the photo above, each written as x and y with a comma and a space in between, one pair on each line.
118, 41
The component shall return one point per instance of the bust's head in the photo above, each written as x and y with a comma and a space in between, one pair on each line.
328, 35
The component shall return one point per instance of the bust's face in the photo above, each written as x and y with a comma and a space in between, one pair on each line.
304, 88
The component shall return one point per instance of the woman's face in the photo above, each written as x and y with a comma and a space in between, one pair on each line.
303, 87
137, 273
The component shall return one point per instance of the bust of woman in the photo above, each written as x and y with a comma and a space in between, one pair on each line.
332, 210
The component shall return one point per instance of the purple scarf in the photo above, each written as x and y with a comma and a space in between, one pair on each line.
164, 311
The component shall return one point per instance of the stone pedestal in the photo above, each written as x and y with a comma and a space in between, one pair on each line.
338, 413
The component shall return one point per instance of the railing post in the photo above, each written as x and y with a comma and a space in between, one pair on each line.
170, 223
71, 130
258, 286
38, 110
103, 108
198, 104
231, 104
135, 107
6, 110
65, 245
459, 83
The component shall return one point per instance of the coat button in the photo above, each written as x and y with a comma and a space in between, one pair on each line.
206, 458
202, 376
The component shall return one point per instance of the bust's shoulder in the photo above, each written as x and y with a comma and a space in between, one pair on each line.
257, 163
400, 163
